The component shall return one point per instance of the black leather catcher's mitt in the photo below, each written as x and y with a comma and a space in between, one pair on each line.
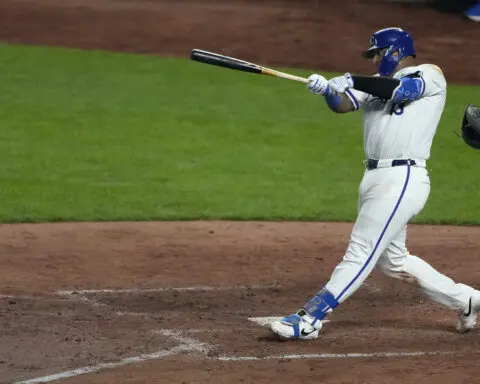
471, 126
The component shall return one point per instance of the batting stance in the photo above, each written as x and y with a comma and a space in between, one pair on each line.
402, 106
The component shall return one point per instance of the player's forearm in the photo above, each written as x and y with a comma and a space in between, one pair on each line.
382, 87
404, 90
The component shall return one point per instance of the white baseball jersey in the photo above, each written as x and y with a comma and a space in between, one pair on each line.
403, 132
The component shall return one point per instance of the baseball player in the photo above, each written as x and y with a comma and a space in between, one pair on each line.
402, 105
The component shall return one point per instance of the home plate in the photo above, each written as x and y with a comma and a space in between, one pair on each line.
266, 321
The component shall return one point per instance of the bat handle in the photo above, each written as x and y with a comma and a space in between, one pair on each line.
283, 75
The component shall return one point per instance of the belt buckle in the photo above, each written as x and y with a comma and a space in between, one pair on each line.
371, 164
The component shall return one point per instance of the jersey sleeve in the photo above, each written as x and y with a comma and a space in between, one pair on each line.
433, 80
356, 97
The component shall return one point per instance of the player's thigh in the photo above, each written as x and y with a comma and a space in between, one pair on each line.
389, 200
378, 224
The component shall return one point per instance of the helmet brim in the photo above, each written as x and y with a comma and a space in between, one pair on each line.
371, 52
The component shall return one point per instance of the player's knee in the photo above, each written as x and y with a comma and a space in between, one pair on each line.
357, 252
384, 265
392, 264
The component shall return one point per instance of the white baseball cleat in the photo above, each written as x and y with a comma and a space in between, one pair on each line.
299, 325
467, 319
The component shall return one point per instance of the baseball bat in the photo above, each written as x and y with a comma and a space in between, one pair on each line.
240, 65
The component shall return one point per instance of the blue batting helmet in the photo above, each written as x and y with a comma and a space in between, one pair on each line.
392, 40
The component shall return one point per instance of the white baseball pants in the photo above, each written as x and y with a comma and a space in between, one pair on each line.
389, 198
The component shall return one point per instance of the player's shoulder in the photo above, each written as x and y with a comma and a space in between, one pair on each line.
418, 71
430, 68
433, 75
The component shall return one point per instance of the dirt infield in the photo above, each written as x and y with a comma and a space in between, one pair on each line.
177, 297
171, 302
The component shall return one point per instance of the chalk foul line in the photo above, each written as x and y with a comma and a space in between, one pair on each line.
334, 356
187, 344
200, 288
101, 366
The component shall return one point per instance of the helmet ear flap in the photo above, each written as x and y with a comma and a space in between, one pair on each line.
390, 61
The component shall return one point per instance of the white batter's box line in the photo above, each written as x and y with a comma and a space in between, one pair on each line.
82, 298
200, 288
335, 356
180, 337
189, 331
85, 299
187, 344
205, 330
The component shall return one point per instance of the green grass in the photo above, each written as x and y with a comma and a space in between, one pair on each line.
101, 136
